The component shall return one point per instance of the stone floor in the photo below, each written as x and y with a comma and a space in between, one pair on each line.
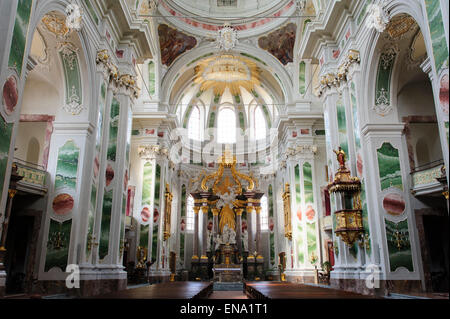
228, 295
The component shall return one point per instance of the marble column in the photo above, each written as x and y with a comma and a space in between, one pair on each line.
204, 232
258, 231
195, 255
251, 241
239, 229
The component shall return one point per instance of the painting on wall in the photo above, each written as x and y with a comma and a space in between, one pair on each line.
10, 95
438, 41
67, 166
399, 245
394, 204
389, 167
5, 143
63, 204
173, 43
280, 43
58, 245
20, 33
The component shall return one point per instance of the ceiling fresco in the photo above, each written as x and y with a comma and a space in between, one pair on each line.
173, 43
280, 43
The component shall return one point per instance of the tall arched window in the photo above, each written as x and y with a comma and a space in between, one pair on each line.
264, 214
259, 124
226, 126
190, 213
194, 124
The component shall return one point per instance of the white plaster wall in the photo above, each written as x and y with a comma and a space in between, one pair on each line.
28, 130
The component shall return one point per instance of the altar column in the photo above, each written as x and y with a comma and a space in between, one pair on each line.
251, 241
215, 212
258, 231
205, 210
196, 210
239, 229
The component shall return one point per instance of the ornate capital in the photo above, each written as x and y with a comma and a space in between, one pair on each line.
148, 151
74, 16
205, 209
196, 209
335, 79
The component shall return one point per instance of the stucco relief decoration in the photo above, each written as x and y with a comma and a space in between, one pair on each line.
173, 43
280, 43
55, 25
226, 38
301, 5
401, 26
443, 94
74, 16
72, 75
377, 17
382, 94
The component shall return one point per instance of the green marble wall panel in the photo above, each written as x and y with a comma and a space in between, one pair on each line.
91, 11
20, 34
151, 78
342, 125
105, 227
242, 122
437, 31
307, 183
113, 129
58, 245
147, 184
356, 132
300, 243
297, 186
389, 167
212, 119
186, 117
91, 211
5, 143
399, 245
143, 235
267, 115
311, 240
67, 166
302, 78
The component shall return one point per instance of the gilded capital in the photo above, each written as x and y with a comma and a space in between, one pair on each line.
196, 209
148, 151
258, 209
215, 211
205, 209
239, 211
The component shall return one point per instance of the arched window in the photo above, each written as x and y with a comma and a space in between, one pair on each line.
259, 124
194, 124
264, 214
226, 126
190, 214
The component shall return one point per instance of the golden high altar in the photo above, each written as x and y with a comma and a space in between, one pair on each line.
227, 193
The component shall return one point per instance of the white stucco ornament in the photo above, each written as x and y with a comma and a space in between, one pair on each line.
74, 16
226, 38
301, 5
377, 17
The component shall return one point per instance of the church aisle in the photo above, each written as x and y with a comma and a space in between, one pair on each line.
228, 295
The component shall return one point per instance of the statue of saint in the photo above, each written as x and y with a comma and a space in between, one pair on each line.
218, 242
341, 157
245, 239
228, 236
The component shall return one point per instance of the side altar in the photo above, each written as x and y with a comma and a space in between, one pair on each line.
227, 193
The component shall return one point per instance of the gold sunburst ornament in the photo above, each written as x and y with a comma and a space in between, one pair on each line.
227, 70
